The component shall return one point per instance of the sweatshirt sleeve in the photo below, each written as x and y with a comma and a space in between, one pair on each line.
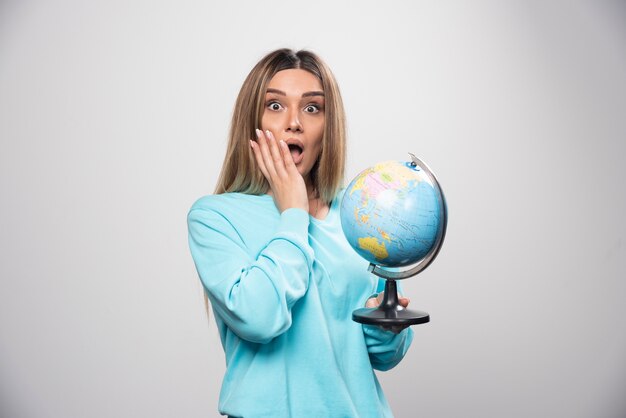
253, 296
385, 348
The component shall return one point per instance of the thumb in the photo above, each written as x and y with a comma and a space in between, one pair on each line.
375, 301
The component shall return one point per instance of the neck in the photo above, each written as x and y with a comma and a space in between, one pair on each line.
317, 207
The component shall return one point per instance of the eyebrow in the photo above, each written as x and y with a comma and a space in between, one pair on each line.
307, 94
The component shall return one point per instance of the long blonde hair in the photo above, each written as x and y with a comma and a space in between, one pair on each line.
240, 172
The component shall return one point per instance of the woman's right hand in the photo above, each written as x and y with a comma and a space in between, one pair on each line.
275, 161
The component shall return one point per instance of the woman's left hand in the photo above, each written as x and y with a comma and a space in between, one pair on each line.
375, 302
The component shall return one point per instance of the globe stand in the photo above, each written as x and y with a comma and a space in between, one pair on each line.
390, 313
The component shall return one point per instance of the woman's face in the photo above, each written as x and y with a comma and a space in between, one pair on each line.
294, 112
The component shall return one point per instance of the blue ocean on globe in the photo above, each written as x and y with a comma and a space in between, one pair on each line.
390, 214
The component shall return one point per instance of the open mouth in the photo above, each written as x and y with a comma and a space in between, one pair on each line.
296, 149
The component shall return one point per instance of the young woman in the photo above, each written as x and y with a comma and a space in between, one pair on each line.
281, 278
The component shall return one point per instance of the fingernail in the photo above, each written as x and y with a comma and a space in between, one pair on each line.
268, 133
258, 133
251, 143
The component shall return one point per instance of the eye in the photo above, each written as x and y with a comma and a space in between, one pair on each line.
275, 106
312, 108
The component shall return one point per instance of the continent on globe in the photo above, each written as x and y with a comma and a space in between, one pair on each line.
372, 245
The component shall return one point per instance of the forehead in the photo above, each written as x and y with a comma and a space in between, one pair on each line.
295, 82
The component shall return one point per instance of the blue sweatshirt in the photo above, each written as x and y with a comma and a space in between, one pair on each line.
282, 288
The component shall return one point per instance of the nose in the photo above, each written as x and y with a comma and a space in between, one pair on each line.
293, 122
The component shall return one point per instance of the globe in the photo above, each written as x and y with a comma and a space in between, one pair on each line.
391, 213
394, 215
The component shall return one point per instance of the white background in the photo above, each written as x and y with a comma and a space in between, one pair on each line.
113, 120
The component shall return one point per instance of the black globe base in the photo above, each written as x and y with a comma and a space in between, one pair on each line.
390, 312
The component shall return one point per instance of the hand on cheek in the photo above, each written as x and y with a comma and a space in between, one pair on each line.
276, 164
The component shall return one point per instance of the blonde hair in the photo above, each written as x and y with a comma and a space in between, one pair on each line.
240, 172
